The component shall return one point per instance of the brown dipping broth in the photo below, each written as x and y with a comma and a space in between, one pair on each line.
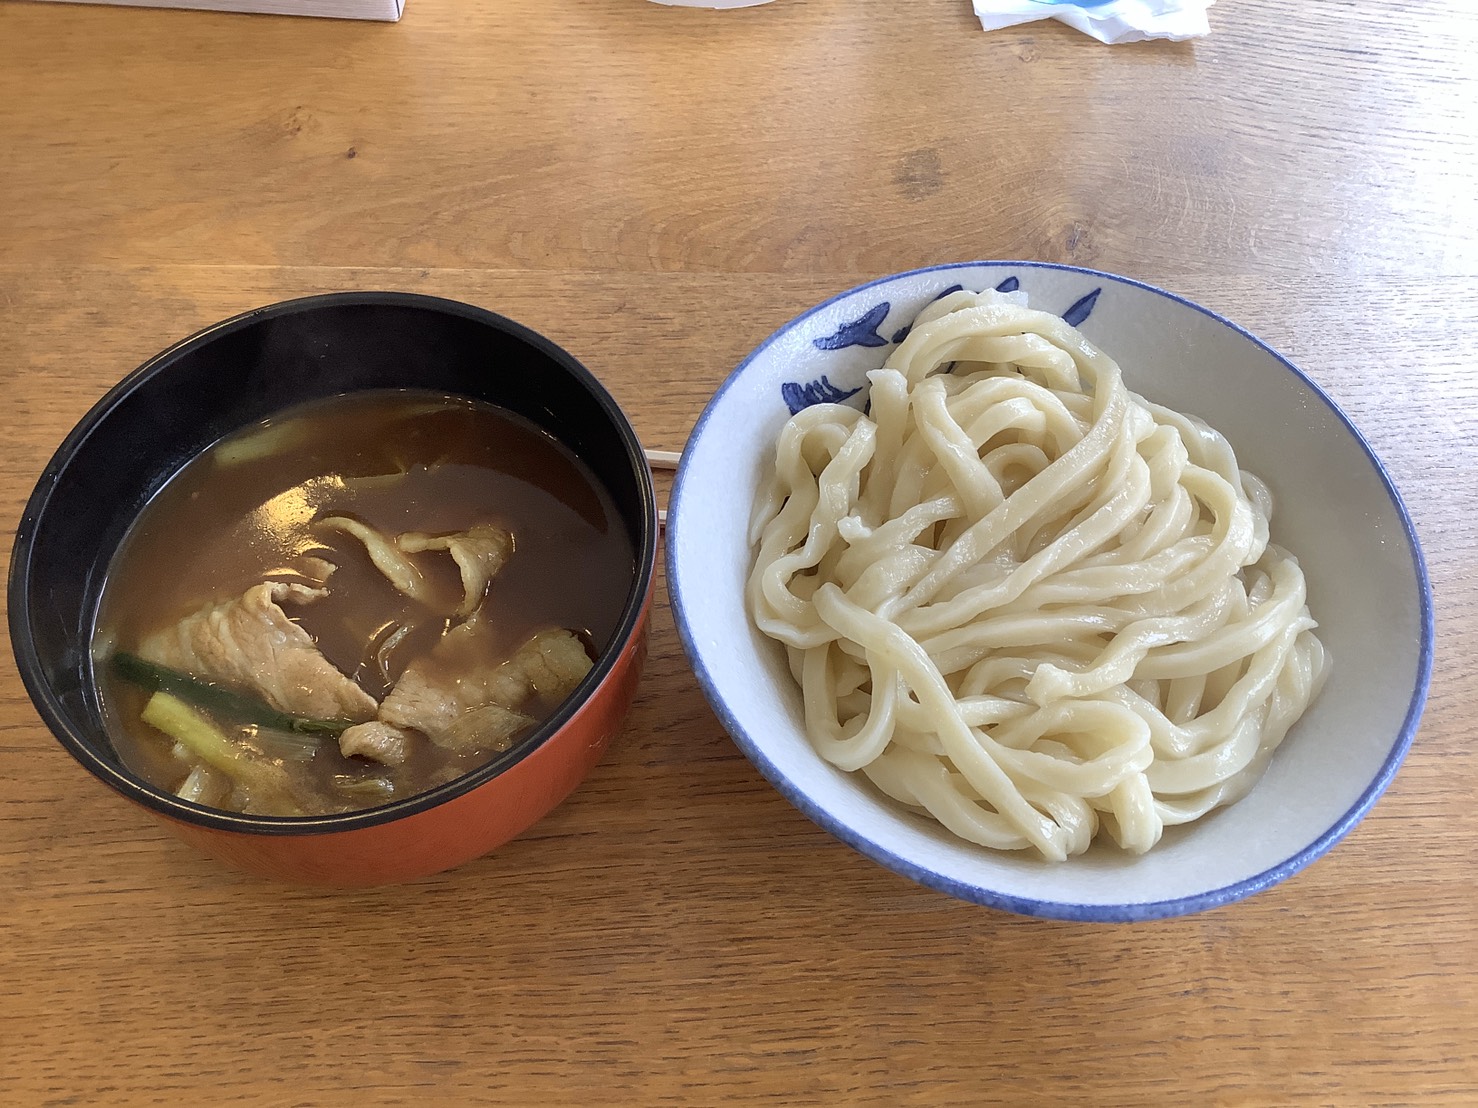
242, 512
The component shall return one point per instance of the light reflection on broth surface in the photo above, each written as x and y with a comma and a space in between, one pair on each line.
244, 511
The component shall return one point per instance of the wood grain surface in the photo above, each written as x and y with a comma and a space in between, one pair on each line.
657, 189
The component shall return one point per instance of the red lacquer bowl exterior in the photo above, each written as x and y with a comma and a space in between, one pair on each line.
242, 371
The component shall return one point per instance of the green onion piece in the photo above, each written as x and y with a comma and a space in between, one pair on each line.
218, 700
367, 788
266, 439
290, 746
194, 785
209, 743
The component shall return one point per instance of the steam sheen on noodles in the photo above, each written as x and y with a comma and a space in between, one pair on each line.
1024, 600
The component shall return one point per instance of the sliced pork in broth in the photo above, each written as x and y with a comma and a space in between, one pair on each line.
440, 695
250, 643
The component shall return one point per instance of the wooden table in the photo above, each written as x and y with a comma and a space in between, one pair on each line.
657, 189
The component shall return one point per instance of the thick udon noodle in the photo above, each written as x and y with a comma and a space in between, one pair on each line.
1024, 600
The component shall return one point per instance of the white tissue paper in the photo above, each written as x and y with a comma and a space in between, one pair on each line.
1106, 20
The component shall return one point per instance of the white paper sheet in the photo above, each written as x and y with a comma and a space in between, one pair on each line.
1109, 21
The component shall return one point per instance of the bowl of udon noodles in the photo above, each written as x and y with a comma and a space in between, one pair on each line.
346, 590
1050, 590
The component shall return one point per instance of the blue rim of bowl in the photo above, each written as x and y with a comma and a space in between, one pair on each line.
135, 788
1029, 906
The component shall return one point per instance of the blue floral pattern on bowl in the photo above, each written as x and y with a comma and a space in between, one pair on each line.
866, 330
1081, 309
860, 332
820, 391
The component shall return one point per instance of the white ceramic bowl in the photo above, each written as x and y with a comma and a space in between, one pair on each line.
1335, 508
